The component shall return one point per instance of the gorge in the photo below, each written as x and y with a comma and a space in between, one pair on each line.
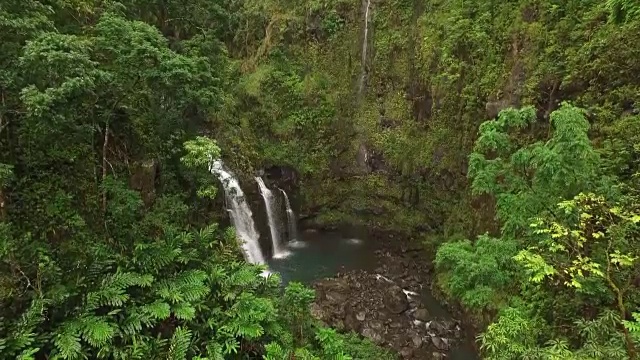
350, 268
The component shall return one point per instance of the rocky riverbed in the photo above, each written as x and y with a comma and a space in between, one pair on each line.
388, 304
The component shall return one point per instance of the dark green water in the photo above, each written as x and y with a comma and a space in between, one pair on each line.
319, 255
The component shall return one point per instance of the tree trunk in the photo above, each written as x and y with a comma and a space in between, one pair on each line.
631, 348
105, 146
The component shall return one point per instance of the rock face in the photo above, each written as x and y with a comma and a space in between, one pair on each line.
368, 160
494, 107
363, 158
3, 206
385, 306
143, 179
284, 177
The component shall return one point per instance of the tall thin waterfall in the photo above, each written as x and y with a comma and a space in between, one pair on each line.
291, 218
240, 212
270, 205
365, 43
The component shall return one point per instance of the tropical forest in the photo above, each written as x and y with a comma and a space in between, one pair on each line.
320, 179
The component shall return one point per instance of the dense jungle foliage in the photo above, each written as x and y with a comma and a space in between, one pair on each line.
504, 135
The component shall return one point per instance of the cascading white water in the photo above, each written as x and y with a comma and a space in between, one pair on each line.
270, 205
241, 215
365, 42
291, 218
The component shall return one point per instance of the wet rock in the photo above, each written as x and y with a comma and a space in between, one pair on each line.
417, 341
395, 325
395, 300
449, 325
406, 353
340, 310
422, 315
372, 335
397, 341
363, 159
351, 322
336, 297
376, 324
457, 332
437, 328
440, 343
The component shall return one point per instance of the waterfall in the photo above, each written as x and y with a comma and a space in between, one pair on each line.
365, 43
241, 215
291, 218
270, 205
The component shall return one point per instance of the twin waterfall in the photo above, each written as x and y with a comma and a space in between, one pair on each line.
270, 204
242, 217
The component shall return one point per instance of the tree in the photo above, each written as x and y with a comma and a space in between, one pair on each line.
589, 245
526, 178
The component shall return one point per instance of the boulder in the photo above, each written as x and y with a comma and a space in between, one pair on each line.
437, 327
422, 315
449, 325
417, 341
395, 325
395, 300
351, 322
376, 324
373, 335
361, 316
406, 353
440, 343
335, 297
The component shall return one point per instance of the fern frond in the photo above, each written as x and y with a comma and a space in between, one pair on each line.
180, 342
157, 310
97, 331
23, 335
113, 291
207, 234
67, 341
27, 354
186, 286
184, 311
275, 352
215, 350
